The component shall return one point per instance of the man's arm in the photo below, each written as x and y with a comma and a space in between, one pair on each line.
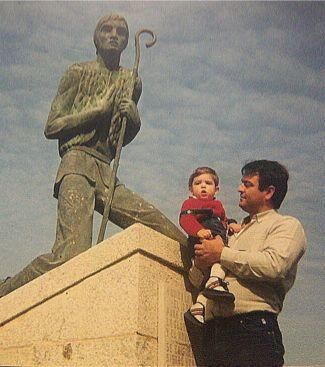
283, 248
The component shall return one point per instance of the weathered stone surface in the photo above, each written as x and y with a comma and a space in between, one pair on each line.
120, 303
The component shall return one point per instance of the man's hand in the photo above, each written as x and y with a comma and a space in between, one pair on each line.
208, 252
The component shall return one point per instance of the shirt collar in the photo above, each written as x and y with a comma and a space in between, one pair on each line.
259, 217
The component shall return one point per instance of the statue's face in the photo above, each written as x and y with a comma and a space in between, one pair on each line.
112, 36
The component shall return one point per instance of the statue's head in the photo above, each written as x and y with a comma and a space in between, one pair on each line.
111, 34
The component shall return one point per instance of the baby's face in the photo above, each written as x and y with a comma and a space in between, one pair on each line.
204, 187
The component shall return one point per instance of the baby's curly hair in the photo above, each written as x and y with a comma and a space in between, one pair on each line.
200, 171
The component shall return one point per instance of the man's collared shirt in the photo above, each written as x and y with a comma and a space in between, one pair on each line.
262, 262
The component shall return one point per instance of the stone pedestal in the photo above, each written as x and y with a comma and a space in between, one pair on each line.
121, 303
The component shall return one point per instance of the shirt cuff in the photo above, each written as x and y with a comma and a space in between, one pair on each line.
228, 257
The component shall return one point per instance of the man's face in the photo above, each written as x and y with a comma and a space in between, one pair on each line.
113, 36
251, 199
204, 187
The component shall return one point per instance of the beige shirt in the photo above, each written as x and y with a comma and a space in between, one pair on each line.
261, 263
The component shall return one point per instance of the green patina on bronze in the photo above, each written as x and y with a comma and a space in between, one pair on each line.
86, 118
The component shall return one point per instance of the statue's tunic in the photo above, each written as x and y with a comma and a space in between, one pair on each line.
80, 89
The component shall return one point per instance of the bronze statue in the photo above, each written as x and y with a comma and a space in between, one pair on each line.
92, 104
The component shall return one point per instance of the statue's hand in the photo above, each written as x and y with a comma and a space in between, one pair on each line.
128, 109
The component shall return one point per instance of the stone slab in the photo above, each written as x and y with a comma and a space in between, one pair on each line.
120, 303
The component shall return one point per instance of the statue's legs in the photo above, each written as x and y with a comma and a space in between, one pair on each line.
129, 208
76, 203
74, 231
77, 200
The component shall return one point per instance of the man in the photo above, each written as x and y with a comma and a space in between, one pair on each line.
261, 264
85, 117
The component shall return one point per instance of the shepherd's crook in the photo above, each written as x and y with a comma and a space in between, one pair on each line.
112, 180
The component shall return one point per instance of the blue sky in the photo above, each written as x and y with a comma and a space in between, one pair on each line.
226, 83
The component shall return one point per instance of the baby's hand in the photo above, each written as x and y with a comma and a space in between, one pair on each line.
234, 227
204, 233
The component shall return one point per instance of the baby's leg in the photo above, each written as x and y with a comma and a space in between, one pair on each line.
217, 271
198, 308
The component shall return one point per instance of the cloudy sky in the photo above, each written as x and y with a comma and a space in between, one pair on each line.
226, 83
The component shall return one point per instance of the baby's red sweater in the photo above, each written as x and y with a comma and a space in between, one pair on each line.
190, 222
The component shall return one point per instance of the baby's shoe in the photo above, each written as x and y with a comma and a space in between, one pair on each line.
216, 288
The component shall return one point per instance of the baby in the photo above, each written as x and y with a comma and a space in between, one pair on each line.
203, 217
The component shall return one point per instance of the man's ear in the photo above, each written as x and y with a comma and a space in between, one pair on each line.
269, 192
217, 189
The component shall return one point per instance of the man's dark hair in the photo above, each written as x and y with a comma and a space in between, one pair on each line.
271, 173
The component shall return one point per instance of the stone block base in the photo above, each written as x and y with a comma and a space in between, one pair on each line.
121, 303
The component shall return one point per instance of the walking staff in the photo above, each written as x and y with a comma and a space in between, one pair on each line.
122, 132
